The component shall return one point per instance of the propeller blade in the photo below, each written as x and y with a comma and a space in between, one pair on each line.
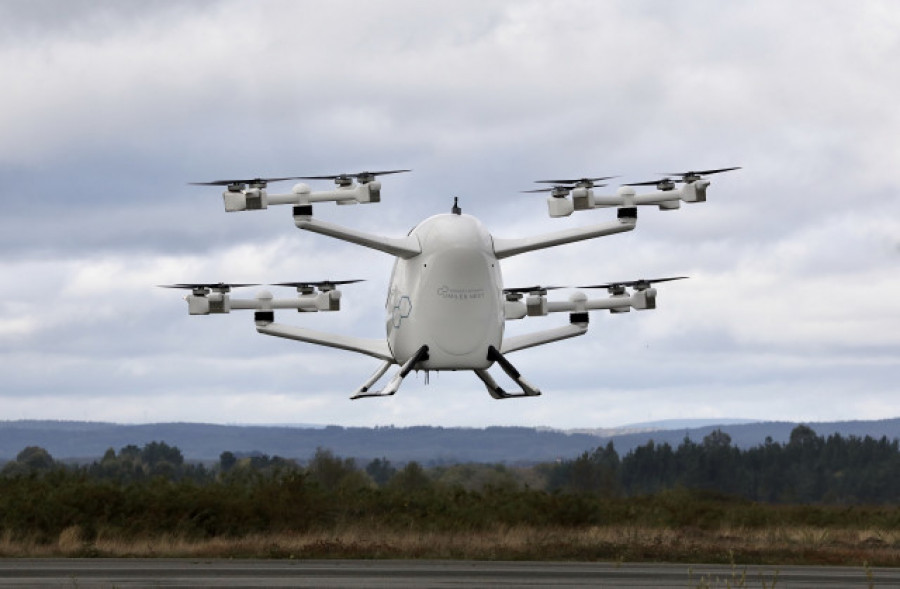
555, 188
317, 284
696, 173
639, 284
663, 184
557, 191
245, 181
530, 289
217, 286
356, 175
361, 176
650, 182
383, 172
583, 181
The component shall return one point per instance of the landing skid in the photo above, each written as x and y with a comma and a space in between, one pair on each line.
394, 384
495, 390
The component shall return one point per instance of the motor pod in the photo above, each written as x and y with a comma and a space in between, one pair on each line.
197, 305
559, 206
694, 191
252, 199
536, 305
256, 199
212, 303
234, 201
329, 300
644, 299
582, 198
374, 192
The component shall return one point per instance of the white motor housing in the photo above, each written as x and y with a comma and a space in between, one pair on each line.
197, 305
694, 191
644, 299
560, 207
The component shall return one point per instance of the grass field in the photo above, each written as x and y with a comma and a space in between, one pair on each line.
770, 546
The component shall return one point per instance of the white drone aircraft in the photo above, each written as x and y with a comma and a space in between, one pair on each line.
446, 305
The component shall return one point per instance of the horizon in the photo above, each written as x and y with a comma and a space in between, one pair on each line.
693, 424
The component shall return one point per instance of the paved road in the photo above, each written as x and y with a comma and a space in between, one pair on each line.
86, 573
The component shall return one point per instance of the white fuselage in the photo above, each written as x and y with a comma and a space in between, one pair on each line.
449, 297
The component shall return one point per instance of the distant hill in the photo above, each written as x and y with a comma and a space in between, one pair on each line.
663, 424
687, 423
199, 441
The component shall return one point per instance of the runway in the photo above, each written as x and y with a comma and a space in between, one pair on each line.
128, 572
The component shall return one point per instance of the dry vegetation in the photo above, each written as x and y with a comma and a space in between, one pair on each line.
771, 546
149, 503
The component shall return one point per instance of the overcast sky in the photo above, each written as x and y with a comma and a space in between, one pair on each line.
109, 109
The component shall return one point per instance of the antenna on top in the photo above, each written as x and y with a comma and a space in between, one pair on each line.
456, 210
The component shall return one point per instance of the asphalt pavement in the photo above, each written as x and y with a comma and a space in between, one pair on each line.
187, 572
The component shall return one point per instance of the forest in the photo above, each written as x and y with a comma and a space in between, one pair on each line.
810, 482
807, 469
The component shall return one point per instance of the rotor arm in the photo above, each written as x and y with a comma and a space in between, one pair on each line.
660, 197
376, 348
639, 301
629, 198
538, 338
238, 198
537, 305
666, 197
622, 303
615, 303
405, 247
308, 303
577, 306
690, 192
217, 303
301, 194
504, 248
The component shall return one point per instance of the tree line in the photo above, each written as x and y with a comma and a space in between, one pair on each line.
809, 480
807, 469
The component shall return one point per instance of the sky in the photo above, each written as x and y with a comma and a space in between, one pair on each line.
110, 109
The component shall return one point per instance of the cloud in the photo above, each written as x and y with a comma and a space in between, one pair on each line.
113, 108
